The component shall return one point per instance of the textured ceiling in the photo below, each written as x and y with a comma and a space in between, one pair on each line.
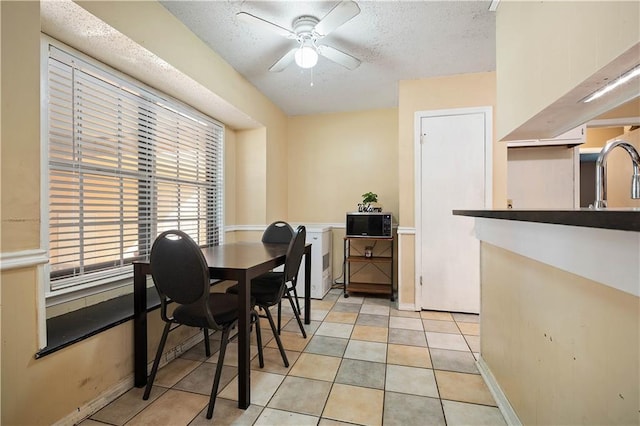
395, 40
372, 85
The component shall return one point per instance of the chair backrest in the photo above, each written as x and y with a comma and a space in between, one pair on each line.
179, 270
295, 251
279, 232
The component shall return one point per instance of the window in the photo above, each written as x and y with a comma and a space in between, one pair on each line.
124, 164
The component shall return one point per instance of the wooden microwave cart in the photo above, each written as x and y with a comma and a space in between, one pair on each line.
357, 264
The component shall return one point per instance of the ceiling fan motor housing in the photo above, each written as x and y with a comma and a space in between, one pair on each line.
303, 27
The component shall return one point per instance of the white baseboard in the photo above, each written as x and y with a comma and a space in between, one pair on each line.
507, 411
107, 397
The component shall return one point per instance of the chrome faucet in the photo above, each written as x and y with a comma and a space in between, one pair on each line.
601, 172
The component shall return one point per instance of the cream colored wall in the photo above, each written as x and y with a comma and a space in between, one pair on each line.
564, 349
20, 199
230, 173
334, 159
251, 180
458, 91
277, 174
546, 49
596, 137
21, 128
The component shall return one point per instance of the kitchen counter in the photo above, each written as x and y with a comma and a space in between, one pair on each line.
621, 219
560, 298
580, 241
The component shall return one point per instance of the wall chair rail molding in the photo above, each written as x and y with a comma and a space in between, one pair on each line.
23, 259
405, 230
334, 225
261, 228
244, 228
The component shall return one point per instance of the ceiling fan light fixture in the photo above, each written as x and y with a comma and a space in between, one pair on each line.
308, 30
306, 57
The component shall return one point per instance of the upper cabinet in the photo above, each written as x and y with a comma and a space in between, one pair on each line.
543, 177
552, 55
544, 173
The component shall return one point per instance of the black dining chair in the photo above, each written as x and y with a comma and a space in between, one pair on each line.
280, 232
268, 289
290, 278
181, 275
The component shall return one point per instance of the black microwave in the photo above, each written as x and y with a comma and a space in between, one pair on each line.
369, 225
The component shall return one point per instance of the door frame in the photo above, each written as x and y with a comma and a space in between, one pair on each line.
417, 146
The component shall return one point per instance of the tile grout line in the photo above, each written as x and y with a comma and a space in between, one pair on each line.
351, 338
433, 369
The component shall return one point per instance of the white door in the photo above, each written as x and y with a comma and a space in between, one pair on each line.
452, 176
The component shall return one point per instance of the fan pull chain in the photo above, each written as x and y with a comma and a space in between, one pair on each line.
311, 77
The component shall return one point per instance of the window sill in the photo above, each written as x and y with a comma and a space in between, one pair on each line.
73, 327
67, 329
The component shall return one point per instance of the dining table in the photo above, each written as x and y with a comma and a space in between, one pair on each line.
236, 261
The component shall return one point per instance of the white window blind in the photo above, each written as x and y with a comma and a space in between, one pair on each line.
125, 164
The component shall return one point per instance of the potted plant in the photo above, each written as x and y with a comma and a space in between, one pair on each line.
367, 199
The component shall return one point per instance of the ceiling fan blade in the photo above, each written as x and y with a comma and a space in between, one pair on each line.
339, 57
252, 19
340, 14
285, 61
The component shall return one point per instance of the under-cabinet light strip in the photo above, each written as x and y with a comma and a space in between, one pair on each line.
624, 78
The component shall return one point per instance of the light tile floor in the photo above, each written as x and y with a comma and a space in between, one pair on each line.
363, 362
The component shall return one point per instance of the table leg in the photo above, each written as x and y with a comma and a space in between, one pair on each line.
139, 325
307, 285
244, 321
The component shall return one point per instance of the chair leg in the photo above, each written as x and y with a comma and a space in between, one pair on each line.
295, 294
277, 337
156, 361
295, 313
207, 345
216, 380
255, 319
279, 316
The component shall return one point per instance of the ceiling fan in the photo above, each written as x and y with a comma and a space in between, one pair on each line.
307, 31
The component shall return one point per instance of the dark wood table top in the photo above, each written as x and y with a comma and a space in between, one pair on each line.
243, 255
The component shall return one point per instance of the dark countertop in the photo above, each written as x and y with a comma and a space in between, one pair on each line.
620, 219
